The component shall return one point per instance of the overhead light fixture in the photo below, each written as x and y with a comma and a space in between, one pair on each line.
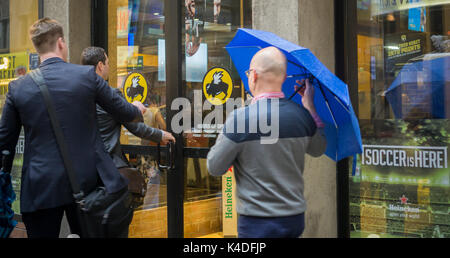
390, 17
392, 47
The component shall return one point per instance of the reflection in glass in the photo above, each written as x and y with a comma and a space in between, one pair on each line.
401, 184
209, 25
136, 27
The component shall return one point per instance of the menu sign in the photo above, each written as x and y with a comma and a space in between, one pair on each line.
401, 49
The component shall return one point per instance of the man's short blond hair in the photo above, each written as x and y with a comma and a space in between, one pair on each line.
44, 33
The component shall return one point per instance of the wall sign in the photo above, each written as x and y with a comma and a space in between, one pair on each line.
10, 62
380, 7
135, 88
229, 204
217, 86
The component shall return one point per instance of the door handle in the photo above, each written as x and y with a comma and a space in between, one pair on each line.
170, 156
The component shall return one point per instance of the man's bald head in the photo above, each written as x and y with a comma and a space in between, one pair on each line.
268, 71
270, 60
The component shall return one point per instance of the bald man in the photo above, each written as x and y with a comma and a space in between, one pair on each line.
269, 173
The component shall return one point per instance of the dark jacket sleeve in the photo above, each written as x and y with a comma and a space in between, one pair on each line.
144, 131
10, 126
113, 103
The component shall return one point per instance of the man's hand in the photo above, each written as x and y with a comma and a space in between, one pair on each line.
140, 106
167, 137
307, 93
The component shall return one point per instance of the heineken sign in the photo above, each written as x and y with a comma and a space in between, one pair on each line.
229, 215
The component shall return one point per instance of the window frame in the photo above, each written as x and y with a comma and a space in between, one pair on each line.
7, 19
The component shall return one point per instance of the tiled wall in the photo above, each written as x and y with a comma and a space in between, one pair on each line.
200, 218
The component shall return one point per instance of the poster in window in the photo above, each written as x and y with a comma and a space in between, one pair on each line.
401, 187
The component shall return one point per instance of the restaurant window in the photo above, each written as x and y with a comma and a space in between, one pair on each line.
17, 57
400, 186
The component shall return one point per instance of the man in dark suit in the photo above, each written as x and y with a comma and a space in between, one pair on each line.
45, 190
109, 127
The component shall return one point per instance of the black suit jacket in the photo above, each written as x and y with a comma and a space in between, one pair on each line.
74, 90
110, 132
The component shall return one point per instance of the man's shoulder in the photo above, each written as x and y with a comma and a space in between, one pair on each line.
285, 108
296, 118
290, 105
19, 83
85, 69
293, 120
70, 71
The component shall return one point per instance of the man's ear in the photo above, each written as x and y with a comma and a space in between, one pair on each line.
60, 44
255, 77
100, 67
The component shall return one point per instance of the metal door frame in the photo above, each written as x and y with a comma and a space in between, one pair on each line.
174, 81
346, 64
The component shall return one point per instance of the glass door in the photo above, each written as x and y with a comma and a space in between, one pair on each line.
135, 32
207, 27
160, 53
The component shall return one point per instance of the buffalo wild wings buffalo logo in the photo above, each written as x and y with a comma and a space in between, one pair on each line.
217, 86
135, 88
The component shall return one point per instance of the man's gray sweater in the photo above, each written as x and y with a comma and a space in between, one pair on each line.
269, 177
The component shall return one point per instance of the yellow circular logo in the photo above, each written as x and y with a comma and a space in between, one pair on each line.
217, 86
135, 88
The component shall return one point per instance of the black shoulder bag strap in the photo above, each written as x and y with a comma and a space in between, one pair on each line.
37, 77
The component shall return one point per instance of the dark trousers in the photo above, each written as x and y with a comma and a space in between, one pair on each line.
47, 223
279, 227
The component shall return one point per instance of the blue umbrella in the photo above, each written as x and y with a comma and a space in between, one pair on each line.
331, 99
7, 197
420, 82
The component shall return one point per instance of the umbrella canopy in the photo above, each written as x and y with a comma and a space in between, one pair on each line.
331, 99
422, 82
7, 197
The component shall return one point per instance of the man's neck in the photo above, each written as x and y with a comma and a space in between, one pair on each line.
48, 56
264, 90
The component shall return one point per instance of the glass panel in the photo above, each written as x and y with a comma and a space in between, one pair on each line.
401, 185
136, 27
16, 59
203, 201
4, 25
209, 25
